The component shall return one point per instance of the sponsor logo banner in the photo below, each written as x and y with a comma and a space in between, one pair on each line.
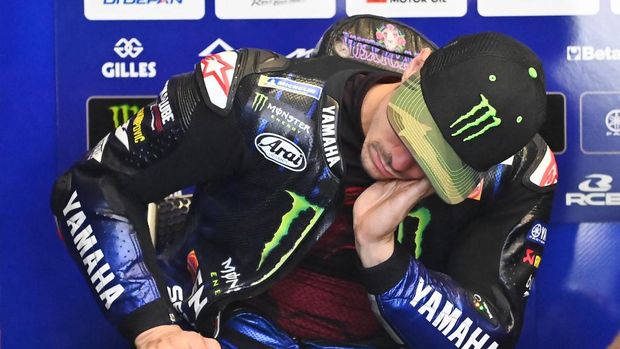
591, 53
408, 8
266, 9
594, 190
500, 8
105, 10
600, 122
104, 114
128, 50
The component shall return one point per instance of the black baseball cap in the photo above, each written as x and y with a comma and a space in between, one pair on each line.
476, 102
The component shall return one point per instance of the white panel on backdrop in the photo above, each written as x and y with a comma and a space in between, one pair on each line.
266, 9
500, 8
615, 6
408, 8
102, 10
216, 46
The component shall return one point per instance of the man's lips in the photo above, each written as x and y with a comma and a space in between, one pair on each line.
379, 165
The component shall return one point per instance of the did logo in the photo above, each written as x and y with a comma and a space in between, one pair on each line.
594, 190
129, 49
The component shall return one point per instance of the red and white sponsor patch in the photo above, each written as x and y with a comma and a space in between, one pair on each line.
546, 173
477, 192
156, 124
217, 73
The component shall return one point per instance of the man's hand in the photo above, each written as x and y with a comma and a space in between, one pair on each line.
378, 211
173, 337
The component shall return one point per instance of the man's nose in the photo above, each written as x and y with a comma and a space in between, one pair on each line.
402, 160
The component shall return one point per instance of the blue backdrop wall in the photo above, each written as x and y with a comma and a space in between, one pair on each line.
69, 69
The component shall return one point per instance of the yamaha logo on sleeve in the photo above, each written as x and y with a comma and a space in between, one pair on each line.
281, 151
538, 234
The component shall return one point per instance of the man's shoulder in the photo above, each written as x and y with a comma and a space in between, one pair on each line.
533, 169
538, 169
219, 74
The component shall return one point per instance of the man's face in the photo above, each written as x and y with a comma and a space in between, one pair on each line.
384, 156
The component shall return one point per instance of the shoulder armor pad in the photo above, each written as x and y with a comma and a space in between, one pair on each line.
542, 174
218, 75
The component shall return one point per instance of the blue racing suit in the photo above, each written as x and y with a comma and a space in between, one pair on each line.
264, 141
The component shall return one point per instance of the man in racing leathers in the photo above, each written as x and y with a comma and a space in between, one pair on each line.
290, 229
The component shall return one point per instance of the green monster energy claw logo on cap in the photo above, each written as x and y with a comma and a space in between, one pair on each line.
489, 115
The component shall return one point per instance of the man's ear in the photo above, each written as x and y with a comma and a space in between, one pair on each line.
416, 64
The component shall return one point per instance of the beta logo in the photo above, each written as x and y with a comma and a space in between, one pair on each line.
594, 191
591, 53
128, 48
281, 151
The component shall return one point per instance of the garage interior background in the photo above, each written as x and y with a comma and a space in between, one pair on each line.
57, 83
